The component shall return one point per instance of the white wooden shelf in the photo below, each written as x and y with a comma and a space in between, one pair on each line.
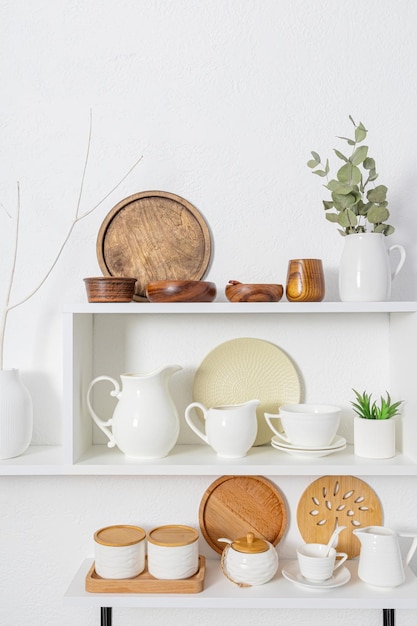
279, 593
200, 460
149, 308
87, 327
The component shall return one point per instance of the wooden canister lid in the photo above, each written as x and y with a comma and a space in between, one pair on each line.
173, 535
119, 535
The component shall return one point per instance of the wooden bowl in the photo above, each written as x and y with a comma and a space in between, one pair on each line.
240, 292
110, 289
181, 291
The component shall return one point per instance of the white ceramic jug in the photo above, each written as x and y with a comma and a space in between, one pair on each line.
364, 272
145, 422
380, 560
229, 429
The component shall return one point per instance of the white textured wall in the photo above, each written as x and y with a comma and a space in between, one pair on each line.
224, 99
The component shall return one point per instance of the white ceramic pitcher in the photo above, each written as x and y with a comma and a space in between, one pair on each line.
380, 560
229, 429
365, 272
145, 422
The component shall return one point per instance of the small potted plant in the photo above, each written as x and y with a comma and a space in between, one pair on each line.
360, 209
374, 426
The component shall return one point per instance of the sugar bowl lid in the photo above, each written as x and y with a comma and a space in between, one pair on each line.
250, 544
119, 535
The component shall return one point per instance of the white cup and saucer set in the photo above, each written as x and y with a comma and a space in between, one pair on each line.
318, 565
310, 430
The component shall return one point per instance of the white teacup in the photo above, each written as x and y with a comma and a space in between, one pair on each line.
313, 563
307, 425
230, 429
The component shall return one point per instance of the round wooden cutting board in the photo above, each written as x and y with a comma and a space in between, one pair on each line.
154, 235
234, 505
332, 501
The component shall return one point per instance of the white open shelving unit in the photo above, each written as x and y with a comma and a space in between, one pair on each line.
86, 329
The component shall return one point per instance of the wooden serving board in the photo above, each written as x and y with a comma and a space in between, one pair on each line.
145, 583
152, 236
332, 501
235, 505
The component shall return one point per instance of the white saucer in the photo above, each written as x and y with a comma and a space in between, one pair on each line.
338, 442
292, 573
300, 452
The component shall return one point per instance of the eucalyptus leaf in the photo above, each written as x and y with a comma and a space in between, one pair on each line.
332, 217
347, 218
378, 194
369, 163
338, 187
349, 174
343, 201
312, 163
377, 214
321, 173
350, 141
359, 155
327, 205
360, 133
372, 175
316, 156
341, 156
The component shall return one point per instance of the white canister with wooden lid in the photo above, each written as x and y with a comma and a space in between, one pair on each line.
173, 552
120, 551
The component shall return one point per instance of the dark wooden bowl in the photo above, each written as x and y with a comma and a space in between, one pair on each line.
181, 291
110, 289
255, 292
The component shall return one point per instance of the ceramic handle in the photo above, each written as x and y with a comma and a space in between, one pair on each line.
412, 547
100, 423
401, 250
190, 422
268, 417
341, 558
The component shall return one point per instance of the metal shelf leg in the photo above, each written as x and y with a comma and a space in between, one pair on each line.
388, 617
106, 616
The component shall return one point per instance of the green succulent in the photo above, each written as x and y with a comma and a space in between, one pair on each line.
353, 206
366, 410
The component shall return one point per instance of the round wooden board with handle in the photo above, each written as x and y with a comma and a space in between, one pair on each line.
235, 505
151, 236
332, 501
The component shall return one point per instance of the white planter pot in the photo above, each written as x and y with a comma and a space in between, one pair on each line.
16, 415
365, 273
374, 439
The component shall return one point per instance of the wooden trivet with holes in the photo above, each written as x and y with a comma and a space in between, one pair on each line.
332, 501
235, 505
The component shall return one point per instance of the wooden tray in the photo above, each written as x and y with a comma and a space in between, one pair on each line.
337, 501
235, 505
145, 583
154, 235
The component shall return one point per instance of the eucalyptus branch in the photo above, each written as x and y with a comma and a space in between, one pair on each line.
77, 218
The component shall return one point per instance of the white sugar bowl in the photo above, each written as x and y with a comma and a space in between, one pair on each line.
119, 551
249, 560
173, 552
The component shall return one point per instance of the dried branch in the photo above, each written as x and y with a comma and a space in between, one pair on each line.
77, 218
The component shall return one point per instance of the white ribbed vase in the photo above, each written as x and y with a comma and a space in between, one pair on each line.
16, 415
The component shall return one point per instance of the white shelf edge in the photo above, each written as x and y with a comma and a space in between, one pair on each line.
276, 594
243, 307
200, 460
